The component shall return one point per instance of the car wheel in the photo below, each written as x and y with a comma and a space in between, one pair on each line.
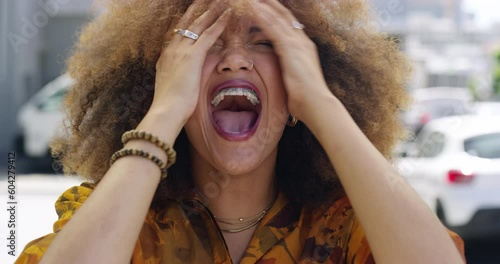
440, 213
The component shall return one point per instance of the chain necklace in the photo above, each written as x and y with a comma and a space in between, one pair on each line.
243, 223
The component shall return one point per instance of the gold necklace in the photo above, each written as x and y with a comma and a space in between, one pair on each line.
248, 222
237, 230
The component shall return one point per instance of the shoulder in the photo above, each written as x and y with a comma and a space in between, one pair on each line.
66, 205
77, 193
70, 201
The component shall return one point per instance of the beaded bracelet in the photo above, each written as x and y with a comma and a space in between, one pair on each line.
138, 152
137, 134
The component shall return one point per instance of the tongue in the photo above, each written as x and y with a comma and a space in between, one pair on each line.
235, 122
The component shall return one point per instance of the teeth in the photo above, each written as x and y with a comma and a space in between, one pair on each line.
235, 91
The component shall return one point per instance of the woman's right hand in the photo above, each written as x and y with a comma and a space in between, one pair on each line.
178, 70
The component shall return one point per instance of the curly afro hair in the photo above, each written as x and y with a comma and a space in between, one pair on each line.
114, 61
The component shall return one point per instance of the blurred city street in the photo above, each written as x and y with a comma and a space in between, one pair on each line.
451, 157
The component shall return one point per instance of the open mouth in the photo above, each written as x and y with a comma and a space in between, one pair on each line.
235, 108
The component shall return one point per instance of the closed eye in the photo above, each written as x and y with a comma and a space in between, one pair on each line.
265, 46
264, 43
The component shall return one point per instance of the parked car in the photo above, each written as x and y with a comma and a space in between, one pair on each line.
456, 170
487, 108
436, 102
40, 117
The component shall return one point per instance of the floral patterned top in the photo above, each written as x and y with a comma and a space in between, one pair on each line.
184, 231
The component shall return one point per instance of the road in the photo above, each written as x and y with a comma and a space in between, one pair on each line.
37, 193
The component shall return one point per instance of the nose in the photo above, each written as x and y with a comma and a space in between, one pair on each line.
235, 59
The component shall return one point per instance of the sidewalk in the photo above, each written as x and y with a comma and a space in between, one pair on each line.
35, 212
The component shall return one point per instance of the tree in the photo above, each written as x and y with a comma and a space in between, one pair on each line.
496, 78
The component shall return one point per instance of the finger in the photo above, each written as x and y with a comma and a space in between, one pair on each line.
198, 6
272, 23
281, 9
212, 33
208, 17
187, 18
283, 15
214, 11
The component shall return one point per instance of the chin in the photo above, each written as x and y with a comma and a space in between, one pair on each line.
237, 165
234, 157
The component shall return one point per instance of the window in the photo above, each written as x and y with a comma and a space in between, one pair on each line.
484, 146
54, 102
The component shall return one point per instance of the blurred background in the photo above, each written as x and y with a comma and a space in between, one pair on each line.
452, 157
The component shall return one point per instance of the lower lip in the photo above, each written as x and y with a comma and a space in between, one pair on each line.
236, 136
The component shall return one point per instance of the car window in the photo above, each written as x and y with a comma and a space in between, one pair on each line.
485, 146
431, 145
54, 102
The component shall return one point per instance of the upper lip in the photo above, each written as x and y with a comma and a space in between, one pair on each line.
235, 83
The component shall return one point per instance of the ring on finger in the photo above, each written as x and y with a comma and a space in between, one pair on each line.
297, 25
186, 33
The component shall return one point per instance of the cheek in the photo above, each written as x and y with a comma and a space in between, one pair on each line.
193, 125
271, 73
209, 67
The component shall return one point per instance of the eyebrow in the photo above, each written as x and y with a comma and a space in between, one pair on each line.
254, 29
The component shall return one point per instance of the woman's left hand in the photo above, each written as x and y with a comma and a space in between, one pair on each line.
302, 74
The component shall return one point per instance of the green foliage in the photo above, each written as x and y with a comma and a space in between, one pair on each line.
496, 77
473, 88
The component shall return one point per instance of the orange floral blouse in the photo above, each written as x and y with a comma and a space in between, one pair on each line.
185, 232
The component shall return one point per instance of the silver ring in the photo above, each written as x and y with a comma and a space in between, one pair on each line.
186, 33
297, 25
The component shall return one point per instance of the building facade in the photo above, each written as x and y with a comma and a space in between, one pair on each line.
439, 39
36, 38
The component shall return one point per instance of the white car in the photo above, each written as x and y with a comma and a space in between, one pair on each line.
455, 167
436, 102
487, 108
40, 117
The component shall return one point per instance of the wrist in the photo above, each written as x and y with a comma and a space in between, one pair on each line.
320, 107
164, 123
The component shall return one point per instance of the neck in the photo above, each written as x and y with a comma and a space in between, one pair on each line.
235, 196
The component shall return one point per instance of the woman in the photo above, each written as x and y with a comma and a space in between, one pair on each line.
221, 83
